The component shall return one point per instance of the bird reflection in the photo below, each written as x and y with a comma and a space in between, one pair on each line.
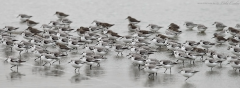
188, 85
201, 34
56, 70
77, 78
135, 72
94, 72
233, 73
15, 75
152, 82
210, 73
168, 78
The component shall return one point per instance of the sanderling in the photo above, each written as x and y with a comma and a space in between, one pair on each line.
14, 62
168, 64
190, 25
210, 62
201, 28
77, 64
187, 73
154, 27
10, 29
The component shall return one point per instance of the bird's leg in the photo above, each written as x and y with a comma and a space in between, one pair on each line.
170, 70
17, 68
90, 67
183, 62
139, 66
11, 49
165, 70
20, 52
44, 63
13, 66
187, 79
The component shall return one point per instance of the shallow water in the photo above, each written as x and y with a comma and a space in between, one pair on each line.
118, 72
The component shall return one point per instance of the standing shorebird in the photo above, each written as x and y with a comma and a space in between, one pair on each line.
167, 64
24, 17
133, 20
77, 64
220, 26
201, 28
31, 23
61, 15
10, 29
190, 25
154, 27
188, 73
14, 62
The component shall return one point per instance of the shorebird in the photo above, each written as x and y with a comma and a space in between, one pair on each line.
95, 29
103, 24
151, 69
191, 43
10, 29
89, 60
34, 30
66, 22
232, 41
99, 59
48, 58
61, 15
187, 73
77, 64
162, 36
31, 23
234, 50
133, 28
159, 42
63, 48
167, 64
235, 64
190, 25
14, 62
210, 62
237, 26
46, 27
138, 60
201, 28
199, 51
55, 24
180, 55
9, 42
154, 27
220, 39
19, 47
24, 17
132, 20
232, 31
119, 49
220, 26
206, 44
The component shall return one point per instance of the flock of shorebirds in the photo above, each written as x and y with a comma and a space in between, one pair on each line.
54, 41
